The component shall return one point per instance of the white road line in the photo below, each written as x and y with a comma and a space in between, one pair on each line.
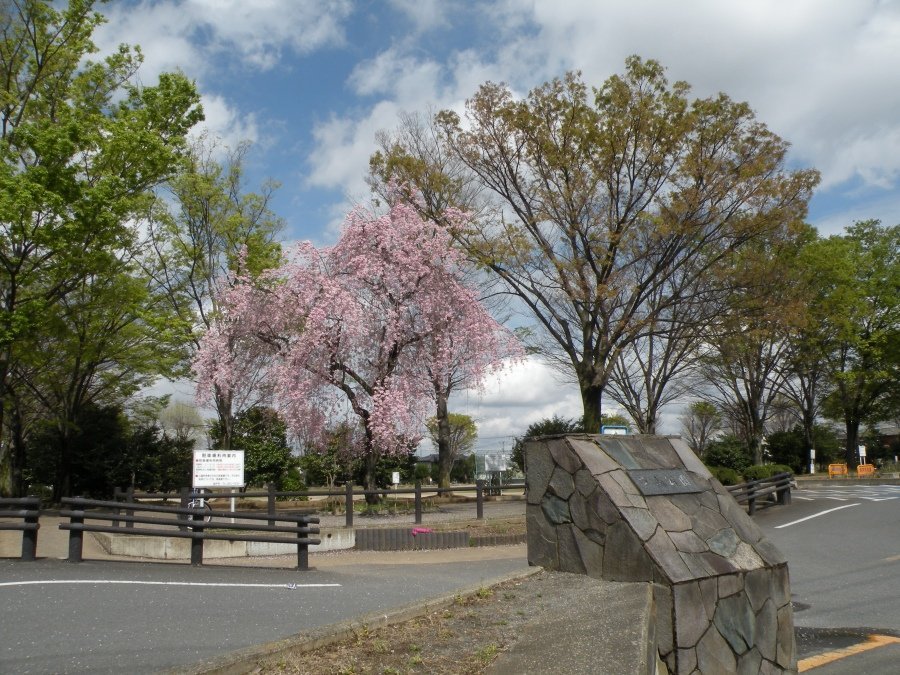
837, 499
806, 499
883, 499
815, 515
161, 583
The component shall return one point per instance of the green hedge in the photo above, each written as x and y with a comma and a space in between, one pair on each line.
759, 471
725, 475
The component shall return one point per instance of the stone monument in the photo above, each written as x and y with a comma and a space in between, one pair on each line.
645, 508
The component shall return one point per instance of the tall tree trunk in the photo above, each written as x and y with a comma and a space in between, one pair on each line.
445, 456
226, 418
370, 480
17, 465
591, 399
852, 448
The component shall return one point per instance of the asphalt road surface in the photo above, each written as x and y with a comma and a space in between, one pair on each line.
843, 549
115, 617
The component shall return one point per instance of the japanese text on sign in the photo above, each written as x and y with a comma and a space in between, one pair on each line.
218, 468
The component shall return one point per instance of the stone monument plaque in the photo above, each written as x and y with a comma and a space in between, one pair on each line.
663, 481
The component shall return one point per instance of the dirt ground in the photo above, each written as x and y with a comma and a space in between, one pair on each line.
465, 637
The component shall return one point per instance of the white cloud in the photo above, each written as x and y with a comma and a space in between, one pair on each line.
426, 15
178, 33
226, 123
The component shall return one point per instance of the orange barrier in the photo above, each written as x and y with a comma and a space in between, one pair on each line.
865, 470
837, 470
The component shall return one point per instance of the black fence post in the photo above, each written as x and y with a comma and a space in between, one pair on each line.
129, 499
302, 548
29, 535
348, 504
197, 541
185, 497
418, 502
271, 503
76, 537
479, 499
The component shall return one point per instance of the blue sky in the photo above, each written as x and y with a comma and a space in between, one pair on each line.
310, 82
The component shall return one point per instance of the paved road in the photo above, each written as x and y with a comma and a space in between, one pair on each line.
843, 549
114, 617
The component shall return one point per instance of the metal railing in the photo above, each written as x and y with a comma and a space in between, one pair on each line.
188, 523
25, 519
778, 486
346, 495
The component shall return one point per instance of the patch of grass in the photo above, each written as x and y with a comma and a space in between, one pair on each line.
487, 653
483, 593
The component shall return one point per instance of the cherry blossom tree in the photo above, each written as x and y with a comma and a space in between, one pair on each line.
360, 332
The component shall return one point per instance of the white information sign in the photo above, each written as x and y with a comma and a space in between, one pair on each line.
218, 468
862, 451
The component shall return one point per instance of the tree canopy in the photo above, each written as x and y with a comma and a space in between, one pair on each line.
611, 206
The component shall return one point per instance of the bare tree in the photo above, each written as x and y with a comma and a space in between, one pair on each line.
700, 423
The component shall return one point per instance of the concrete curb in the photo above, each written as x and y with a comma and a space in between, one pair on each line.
244, 660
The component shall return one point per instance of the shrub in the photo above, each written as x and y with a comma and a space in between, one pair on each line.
725, 475
759, 471
728, 451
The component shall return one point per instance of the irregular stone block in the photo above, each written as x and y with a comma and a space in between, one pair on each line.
613, 489
539, 467
724, 542
595, 462
749, 663
669, 516
710, 593
561, 483
698, 567
746, 557
714, 654
641, 521
667, 558
556, 509
758, 585
591, 554
687, 542
541, 538
584, 482
786, 643
665, 619
569, 555
602, 505
708, 522
729, 585
767, 630
563, 455
718, 563
736, 622
691, 621
781, 586
615, 449
624, 557
768, 552
687, 660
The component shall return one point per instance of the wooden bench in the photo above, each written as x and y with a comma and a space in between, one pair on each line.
865, 470
837, 470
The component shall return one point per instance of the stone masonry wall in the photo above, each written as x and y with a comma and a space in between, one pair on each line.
722, 589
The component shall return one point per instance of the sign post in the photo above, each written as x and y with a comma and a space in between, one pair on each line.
218, 468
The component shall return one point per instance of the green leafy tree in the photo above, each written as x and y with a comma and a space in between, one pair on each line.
461, 436
730, 452
606, 207
81, 146
861, 272
211, 230
107, 449
262, 435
